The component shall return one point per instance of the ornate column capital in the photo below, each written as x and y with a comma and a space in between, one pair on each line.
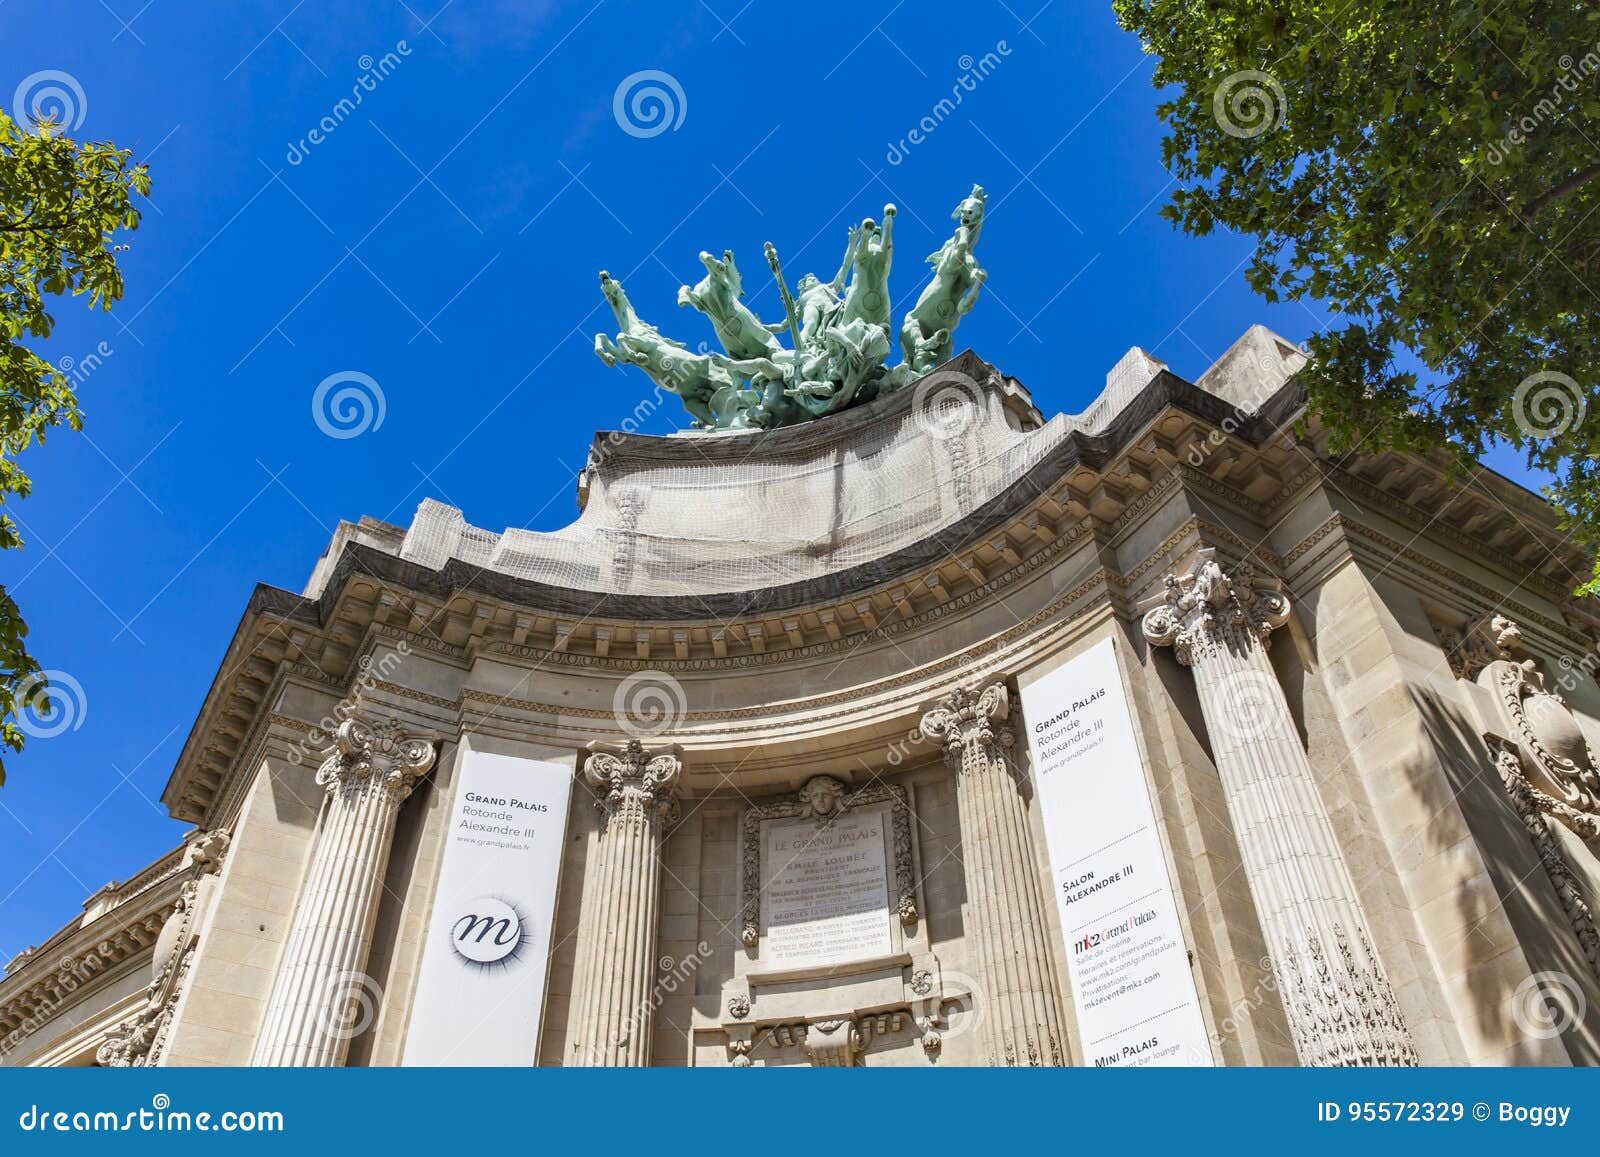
968, 716
634, 781
377, 752
1208, 604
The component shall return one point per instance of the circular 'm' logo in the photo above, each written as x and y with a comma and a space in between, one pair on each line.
489, 931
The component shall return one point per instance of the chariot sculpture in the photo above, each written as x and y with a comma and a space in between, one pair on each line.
840, 331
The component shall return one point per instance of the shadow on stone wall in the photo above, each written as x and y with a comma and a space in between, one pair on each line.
1519, 886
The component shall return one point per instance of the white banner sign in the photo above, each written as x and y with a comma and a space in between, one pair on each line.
481, 989
1131, 979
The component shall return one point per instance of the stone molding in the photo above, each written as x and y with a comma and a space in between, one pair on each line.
922, 1000
1085, 495
140, 1040
44, 981
1364, 540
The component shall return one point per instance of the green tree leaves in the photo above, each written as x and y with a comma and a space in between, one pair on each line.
62, 203
1433, 176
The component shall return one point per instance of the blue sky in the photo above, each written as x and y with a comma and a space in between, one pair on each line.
444, 237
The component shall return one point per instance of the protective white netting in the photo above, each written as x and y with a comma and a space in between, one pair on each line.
677, 519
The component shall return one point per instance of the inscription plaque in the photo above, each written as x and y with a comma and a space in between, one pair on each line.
826, 899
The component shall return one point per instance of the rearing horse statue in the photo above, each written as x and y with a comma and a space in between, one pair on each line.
717, 296
867, 299
957, 277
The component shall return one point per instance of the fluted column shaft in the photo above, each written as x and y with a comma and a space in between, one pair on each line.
321, 987
1340, 1005
1005, 917
637, 792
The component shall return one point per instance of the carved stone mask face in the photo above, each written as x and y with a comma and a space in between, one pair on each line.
821, 795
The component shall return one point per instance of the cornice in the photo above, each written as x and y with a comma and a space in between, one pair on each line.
72, 965
1377, 547
1089, 491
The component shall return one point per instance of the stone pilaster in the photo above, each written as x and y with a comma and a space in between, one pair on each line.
1005, 916
321, 981
1340, 1006
637, 793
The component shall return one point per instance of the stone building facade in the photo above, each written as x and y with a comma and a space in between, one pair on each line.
791, 691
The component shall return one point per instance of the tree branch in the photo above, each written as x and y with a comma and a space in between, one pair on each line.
1571, 185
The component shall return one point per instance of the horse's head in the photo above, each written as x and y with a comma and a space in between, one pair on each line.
723, 273
970, 212
611, 290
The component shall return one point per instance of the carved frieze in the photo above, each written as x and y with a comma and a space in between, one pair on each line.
1473, 646
1342, 1010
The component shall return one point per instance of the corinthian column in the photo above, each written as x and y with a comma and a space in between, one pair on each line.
637, 792
1341, 1008
321, 989
1005, 918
